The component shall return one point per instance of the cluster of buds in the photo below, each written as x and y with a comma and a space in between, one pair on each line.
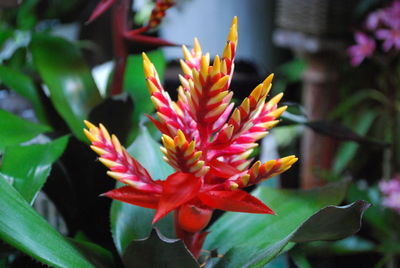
205, 139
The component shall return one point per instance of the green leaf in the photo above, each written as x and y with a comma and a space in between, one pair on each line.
27, 231
97, 255
24, 86
29, 166
158, 251
348, 246
15, 130
262, 237
68, 78
129, 222
347, 150
135, 82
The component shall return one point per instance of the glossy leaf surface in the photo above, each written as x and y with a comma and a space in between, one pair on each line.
15, 130
28, 166
253, 240
24, 86
24, 229
68, 78
158, 251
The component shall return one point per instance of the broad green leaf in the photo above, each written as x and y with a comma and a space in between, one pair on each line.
130, 222
29, 166
347, 150
68, 78
251, 238
347, 246
135, 82
27, 231
158, 251
97, 255
24, 86
15, 130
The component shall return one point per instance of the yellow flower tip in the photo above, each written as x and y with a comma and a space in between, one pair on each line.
196, 46
185, 68
148, 68
116, 175
117, 145
203, 171
88, 124
145, 58
180, 138
104, 132
108, 163
278, 111
232, 36
186, 53
233, 186
168, 143
245, 179
98, 150
269, 79
89, 135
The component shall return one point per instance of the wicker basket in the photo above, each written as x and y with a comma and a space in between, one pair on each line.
316, 17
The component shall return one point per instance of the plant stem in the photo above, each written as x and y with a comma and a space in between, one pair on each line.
120, 26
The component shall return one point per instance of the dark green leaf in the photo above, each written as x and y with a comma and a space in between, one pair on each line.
158, 251
350, 245
68, 78
29, 166
130, 222
264, 236
329, 223
97, 255
24, 229
24, 86
15, 130
347, 151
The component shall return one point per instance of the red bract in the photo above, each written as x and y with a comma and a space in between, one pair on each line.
206, 142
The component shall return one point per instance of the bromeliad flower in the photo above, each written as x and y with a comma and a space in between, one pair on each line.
204, 139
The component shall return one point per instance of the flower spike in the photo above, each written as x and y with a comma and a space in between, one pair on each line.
206, 140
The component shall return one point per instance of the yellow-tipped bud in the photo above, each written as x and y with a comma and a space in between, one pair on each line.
204, 64
197, 47
221, 83
185, 68
274, 101
186, 53
89, 135
168, 143
278, 112
216, 66
98, 150
108, 163
180, 138
117, 145
104, 132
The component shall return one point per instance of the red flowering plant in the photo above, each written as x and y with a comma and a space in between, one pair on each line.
205, 140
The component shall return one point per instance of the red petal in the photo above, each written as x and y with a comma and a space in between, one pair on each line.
148, 40
238, 201
100, 9
177, 189
223, 170
132, 196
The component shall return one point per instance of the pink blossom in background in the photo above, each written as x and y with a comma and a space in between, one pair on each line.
391, 16
374, 19
364, 48
390, 37
391, 191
